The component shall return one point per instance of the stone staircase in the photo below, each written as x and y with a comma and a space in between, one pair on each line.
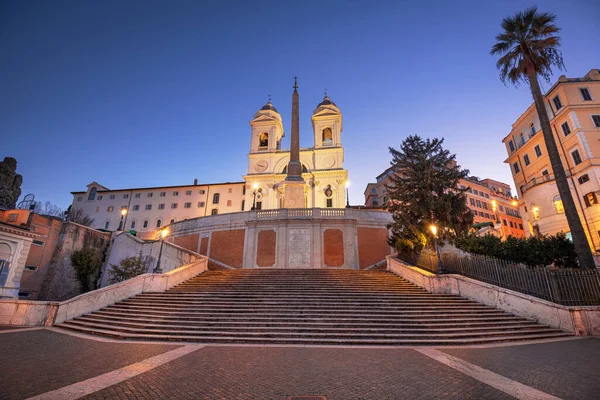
307, 307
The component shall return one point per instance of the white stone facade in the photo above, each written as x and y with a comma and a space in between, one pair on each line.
14, 248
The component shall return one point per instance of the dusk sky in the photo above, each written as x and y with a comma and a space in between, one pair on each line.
151, 93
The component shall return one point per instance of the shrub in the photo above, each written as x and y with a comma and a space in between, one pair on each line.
534, 251
128, 268
86, 263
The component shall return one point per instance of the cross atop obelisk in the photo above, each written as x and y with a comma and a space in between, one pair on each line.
294, 170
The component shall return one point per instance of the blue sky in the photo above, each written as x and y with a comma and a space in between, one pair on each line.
148, 93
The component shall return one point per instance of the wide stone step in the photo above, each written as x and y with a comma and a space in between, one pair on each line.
316, 322
387, 328
317, 335
296, 302
315, 341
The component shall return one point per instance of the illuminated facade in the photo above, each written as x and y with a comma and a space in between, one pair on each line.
573, 105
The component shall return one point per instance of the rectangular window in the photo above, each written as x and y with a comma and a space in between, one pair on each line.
175, 193
485, 206
590, 199
214, 211
187, 205
538, 150
244, 190
585, 94
374, 190
200, 204
161, 206
138, 195
557, 103
472, 201
79, 198
516, 168
504, 222
99, 197
24, 295
126, 196
149, 194
230, 190
173, 205
163, 194
526, 159
30, 268
478, 203
583, 179
596, 119
511, 224
110, 209
228, 203
576, 157
487, 215
481, 213
487, 196
188, 192
112, 196
148, 207
216, 198
511, 146
136, 207
202, 191
565, 128
243, 203
476, 192
38, 242
521, 226
501, 208
329, 203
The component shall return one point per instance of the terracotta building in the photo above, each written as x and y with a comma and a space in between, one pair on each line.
573, 105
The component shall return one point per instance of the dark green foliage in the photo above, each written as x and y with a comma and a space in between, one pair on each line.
424, 190
128, 268
86, 263
533, 251
10, 183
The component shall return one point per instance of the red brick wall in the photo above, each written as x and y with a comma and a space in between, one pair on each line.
204, 246
265, 248
189, 242
372, 246
228, 247
333, 247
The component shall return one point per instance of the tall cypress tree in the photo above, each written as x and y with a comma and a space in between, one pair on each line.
424, 190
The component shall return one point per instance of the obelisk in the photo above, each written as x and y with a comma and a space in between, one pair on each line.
294, 183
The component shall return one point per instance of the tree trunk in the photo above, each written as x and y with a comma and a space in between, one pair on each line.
582, 247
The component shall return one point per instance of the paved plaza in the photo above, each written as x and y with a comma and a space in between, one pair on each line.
52, 364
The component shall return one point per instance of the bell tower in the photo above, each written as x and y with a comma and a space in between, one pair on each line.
267, 130
327, 124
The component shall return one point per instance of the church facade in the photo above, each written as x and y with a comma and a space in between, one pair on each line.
148, 209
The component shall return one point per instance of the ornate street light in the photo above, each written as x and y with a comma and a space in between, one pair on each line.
163, 235
440, 267
123, 214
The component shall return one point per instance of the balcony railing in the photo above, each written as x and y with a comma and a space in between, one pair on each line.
539, 180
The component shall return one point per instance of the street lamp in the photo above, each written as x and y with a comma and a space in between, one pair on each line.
123, 214
163, 235
440, 266
255, 187
347, 197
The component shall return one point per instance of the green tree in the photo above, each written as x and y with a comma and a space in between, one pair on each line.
128, 268
529, 46
86, 263
423, 191
10, 183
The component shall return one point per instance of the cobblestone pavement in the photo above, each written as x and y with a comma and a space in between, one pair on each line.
278, 372
566, 369
39, 361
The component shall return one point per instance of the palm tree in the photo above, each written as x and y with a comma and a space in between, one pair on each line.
528, 47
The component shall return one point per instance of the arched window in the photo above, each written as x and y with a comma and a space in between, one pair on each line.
214, 211
172, 221
92, 195
532, 129
145, 224
327, 136
106, 224
263, 140
558, 204
4, 263
132, 226
158, 223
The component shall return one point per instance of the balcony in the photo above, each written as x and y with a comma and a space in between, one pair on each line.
539, 180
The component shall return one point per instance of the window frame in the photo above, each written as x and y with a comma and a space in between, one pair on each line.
516, 168
595, 119
587, 90
555, 100
575, 160
537, 149
566, 129
526, 159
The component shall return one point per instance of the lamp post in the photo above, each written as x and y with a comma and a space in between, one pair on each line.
254, 187
440, 266
163, 234
123, 214
347, 197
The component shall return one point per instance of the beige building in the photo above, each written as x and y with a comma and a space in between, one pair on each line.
573, 105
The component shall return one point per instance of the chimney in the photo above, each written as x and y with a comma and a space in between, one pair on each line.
195, 182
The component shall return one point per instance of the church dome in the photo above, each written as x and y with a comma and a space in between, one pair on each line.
268, 110
269, 106
326, 104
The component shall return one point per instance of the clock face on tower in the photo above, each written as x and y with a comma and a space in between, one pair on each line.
261, 166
